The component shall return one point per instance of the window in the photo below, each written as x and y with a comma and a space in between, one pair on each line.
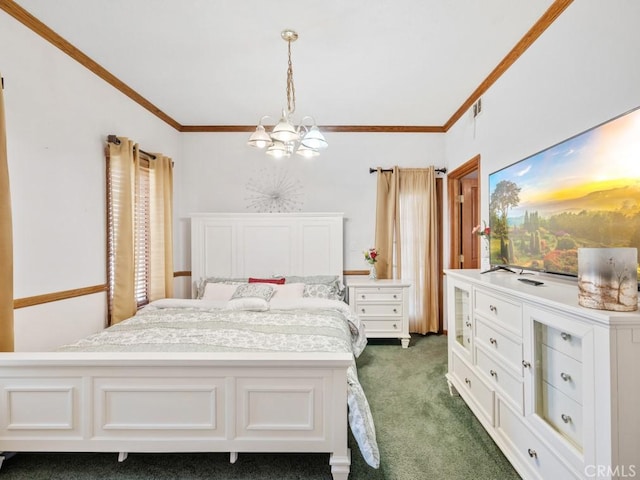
139, 228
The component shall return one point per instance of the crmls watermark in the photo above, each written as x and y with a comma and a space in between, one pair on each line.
608, 471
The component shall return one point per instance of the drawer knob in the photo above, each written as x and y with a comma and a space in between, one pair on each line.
493, 308
565, 418
468, 324
395, 296
493, 341
362, 296
395, 310
565, 336
395, 326
362, 310
525, 364
532, 453
467, 381
565, 376
493, 373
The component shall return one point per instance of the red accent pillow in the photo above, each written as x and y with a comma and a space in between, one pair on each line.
277, 281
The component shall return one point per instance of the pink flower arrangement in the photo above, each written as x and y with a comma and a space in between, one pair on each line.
481, 231
371, 255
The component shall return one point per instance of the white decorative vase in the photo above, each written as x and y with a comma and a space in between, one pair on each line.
608, 278
373, 274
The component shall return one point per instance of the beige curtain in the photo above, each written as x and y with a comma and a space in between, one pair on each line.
161, 264
6, 243
386, 222
407, 239
122, 163
130, 182
418, 242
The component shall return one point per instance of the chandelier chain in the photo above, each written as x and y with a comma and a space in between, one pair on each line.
291, 89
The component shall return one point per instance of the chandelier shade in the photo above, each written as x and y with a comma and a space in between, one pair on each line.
286, 137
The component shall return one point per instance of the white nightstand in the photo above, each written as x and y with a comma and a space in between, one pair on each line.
382, 305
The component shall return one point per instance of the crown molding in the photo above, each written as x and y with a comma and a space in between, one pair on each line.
31, 22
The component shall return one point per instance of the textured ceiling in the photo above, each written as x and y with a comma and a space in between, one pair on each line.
222, 62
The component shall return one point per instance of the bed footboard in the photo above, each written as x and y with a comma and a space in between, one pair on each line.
126, 402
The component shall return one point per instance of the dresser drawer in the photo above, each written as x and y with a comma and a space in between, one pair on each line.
365, 309
561, 412
392, 327
380, 294
560, 340
562, 371
474, 390
493, 340
503, 379
532, 452
508, 314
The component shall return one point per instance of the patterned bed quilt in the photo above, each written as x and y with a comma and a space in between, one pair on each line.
292, 325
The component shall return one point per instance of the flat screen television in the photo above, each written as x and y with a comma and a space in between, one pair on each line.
582, 192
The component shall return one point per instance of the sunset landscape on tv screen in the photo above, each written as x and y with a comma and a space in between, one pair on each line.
583, 192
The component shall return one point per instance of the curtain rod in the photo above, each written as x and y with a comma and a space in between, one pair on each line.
374, 170
114, 139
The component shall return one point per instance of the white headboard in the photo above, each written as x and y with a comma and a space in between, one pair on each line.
266, 244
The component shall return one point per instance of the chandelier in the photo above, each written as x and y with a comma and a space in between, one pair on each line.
285, 138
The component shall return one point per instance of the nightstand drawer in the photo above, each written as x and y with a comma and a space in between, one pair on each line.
508, 314
379, 326
378, 294
378, 309
382, 305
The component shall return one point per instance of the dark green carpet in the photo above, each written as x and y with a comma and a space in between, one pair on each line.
423, 433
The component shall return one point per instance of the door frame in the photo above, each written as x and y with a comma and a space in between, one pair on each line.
453, 193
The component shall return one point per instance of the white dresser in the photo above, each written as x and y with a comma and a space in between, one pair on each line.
382, 305
555, 384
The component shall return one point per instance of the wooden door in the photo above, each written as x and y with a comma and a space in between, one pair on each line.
464, 214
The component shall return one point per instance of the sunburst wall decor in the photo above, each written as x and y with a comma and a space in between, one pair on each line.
274, 191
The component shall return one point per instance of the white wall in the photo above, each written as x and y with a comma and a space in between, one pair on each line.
58, 114
216, 167
581, 72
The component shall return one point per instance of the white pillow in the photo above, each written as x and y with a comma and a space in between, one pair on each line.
218, 291
289, 290
252, 304
251, 296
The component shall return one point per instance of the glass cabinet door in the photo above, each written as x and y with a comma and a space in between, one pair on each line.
463, 323
558, 380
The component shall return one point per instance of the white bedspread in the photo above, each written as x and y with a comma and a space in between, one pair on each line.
300, 325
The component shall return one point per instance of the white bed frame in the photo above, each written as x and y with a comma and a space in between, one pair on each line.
195, 402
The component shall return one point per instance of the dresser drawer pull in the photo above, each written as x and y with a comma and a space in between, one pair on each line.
493, 308
362, 310
467, 381
395, 296
395, 326
467, 323
363, 296
565, 376
493, 373
525, 364
565, 336
532, 453
395, 310
493, 341
565, 418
